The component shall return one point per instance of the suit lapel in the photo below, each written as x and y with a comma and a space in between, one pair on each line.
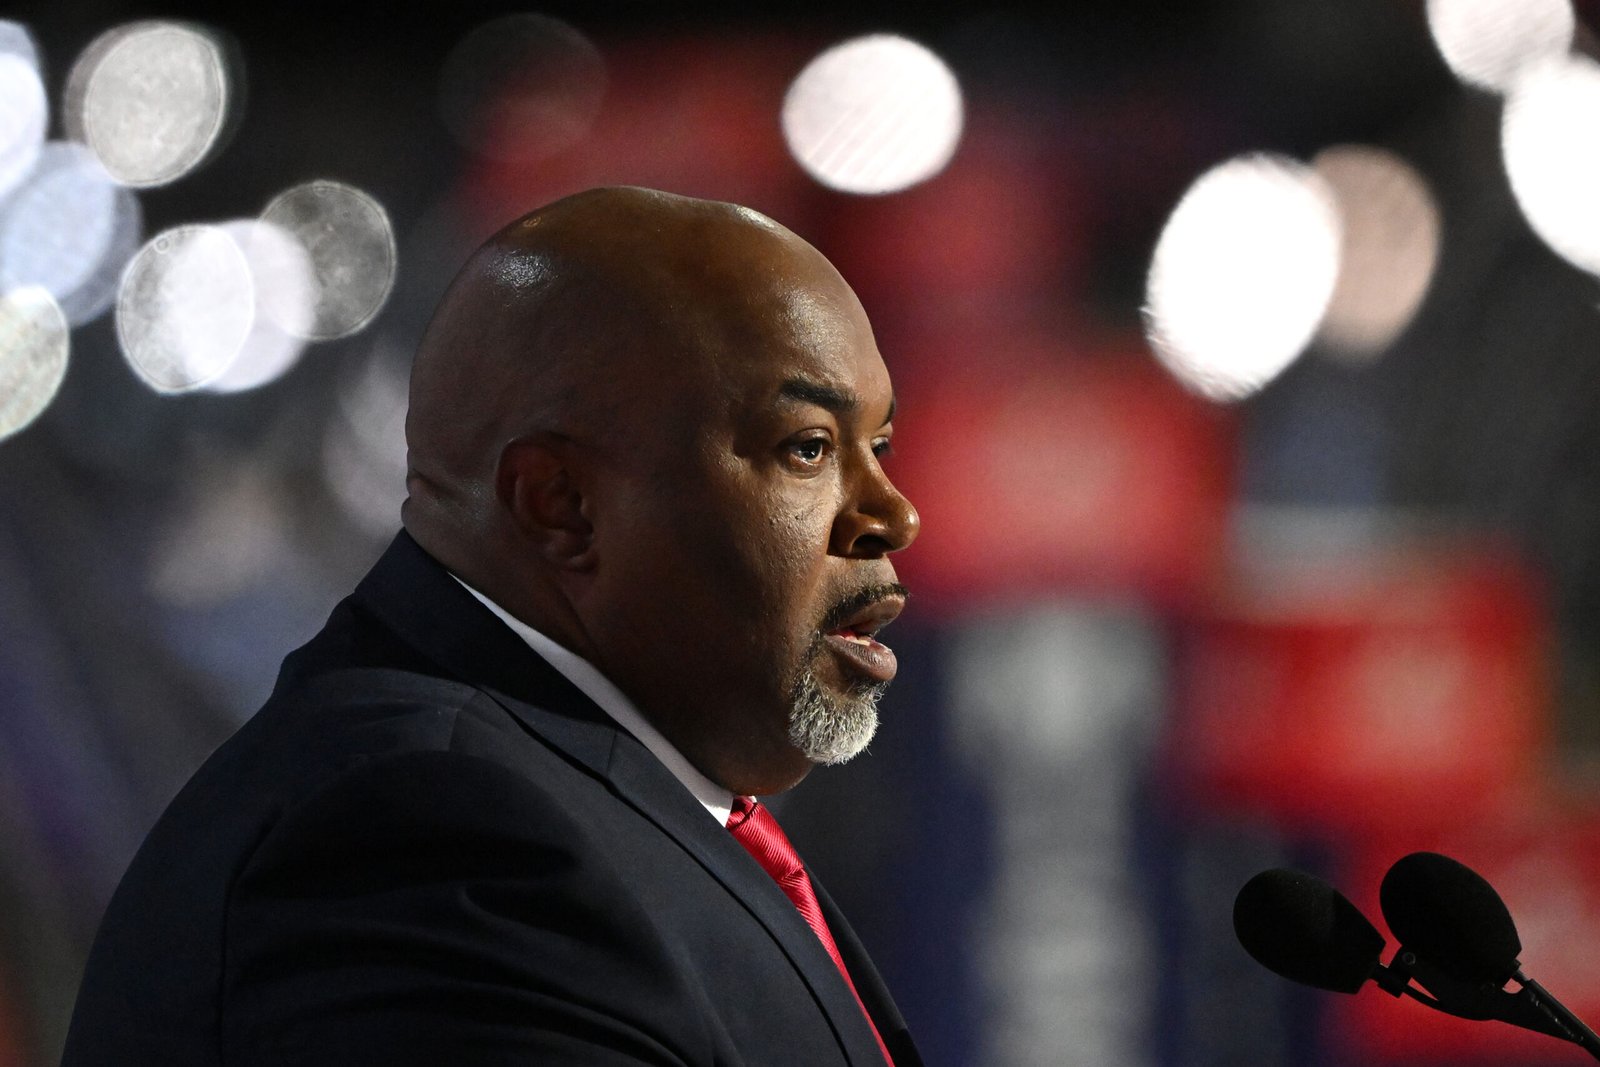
418, 599
636, 775
869, 984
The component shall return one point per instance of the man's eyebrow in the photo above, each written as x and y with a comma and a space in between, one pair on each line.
824, 396
827, 397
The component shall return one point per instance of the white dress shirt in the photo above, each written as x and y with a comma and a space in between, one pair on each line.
598, 688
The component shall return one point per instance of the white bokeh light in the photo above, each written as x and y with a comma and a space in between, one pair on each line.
1242, 274
150, 99
15, 40
1390, 247
350, 242
873, 115
280, 271
33, 356
1552, 157
24, 116
1489, 42
186, 307
69, 228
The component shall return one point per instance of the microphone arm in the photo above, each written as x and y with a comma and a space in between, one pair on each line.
1531, 1007
1578, 1032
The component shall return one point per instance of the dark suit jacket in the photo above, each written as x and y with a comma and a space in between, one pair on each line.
430, 848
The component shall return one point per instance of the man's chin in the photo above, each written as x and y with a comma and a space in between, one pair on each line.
832, 725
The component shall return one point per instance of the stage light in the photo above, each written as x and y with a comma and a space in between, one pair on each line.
1489, 42
873, 115
1552, 157
280, 271
33, 356
1242, 274
351, 246
69, 228
1389, 250
185, 308
24, 115
150, 99
521, 87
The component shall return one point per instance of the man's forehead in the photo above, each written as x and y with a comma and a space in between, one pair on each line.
814, 346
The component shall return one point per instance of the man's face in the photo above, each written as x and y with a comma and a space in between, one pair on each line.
743, 547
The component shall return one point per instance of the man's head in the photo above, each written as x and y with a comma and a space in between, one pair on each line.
651, 427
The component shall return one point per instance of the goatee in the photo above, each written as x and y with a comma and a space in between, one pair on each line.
831, 729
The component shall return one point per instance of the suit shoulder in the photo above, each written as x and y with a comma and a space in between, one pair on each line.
439, 905
336, 715
453, 802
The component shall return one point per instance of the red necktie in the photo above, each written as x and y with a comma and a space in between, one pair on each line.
753, 826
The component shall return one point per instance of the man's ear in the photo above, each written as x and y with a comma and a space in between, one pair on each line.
541, 492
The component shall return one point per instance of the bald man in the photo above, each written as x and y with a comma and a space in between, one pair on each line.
501, 809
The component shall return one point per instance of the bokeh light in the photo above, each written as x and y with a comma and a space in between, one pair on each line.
364, 453
1489, 42
69, 228
33, 355
15, 40
350, 242
224, 539
280, 271
150, 99
1552, 157
185, 308
873, 115
1390, 247
521, 87
1242, 274
24, 115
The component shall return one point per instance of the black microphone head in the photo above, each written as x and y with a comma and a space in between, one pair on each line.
1449, 916
1299, 926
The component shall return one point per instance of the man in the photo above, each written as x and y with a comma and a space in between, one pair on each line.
498, 811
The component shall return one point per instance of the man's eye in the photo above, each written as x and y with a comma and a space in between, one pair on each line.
811, 450
882, 447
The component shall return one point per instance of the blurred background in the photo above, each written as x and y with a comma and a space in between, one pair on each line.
1248, 357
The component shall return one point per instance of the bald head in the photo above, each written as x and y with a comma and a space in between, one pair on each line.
561, 322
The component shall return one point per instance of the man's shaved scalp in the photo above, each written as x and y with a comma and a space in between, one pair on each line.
539, 330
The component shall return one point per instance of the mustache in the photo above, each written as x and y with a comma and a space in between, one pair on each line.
861, 598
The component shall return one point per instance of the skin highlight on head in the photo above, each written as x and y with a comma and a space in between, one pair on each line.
651, 427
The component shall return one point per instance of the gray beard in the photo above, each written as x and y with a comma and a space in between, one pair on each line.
829, 729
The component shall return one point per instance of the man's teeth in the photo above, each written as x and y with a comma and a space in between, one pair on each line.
860, 639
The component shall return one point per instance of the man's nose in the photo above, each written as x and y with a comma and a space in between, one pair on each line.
877, 520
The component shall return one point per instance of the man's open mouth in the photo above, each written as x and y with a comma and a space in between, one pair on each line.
855, 640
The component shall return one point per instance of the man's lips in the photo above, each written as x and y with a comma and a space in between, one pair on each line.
854, 640
867, 655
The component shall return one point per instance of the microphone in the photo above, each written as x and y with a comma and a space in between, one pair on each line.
1298, 926
1457, 942
1457, 937
1446, 913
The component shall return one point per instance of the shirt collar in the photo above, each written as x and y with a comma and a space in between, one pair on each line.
600, 689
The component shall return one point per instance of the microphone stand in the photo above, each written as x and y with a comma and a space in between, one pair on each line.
1531, 1007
